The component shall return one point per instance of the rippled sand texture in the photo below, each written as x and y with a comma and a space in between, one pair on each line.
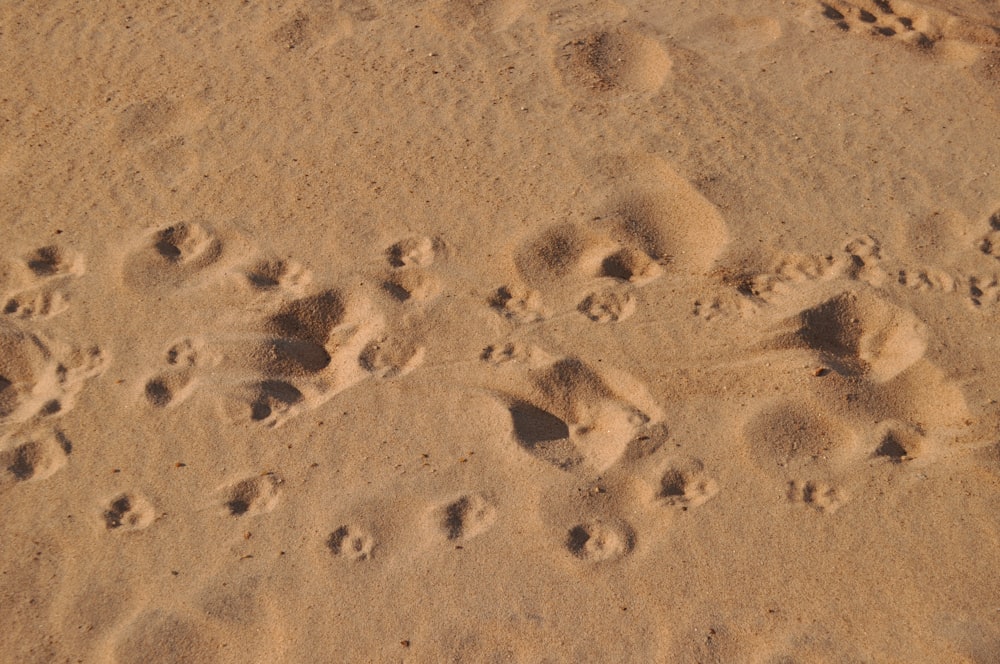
500, 331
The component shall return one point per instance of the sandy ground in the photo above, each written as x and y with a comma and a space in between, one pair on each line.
500, 331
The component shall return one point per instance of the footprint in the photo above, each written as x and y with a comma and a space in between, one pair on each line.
319, 25
857, 260
933, 280
600, 541
983, 290
252, 496
295, 356
467, 517
35, 287
38, 378
391, 357
53, 261
860, 334
168, 389
176, 382
562, 252
36, 457
128, 512
171, 256
294, 33
924, 26
617, 60
521, 305
37, 304
273, 274
412, 285
684, 483
351, 542
663, 220
316, 347
516, 353
817, 495
577, 418
880, 21
896, 442
417, 251
630, 265
609, 304
271, 402
146, 120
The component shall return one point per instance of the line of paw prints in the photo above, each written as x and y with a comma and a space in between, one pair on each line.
982, 291
35, 287
881, 21
308, 343
410, 281
602, 539
858, 260
611, 274
39, 378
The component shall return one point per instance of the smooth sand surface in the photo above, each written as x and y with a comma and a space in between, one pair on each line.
500, 331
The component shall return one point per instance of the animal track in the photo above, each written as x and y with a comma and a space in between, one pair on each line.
608, 305
39, 379
35, 457
38, 304
858, 260
171, 256
390, 357
253, 495
600, 541
882, 21
685, 483
925, 27
128, 511
37, 284
467, 517
577, 418
302, 346
631, 265
351, 542
898, 443
177, 381
860, 334
518, 304
413, 252
662, 222
412, 285
817, 495
309, 350
269, 275
562, 251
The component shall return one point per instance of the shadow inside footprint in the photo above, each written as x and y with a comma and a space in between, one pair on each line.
533, 425
252, 495
597, 541
466, 517
273, 395
351, 542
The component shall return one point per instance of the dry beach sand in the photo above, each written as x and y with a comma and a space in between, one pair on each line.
500, 331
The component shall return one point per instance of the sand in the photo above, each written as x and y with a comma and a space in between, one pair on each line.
500, 331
